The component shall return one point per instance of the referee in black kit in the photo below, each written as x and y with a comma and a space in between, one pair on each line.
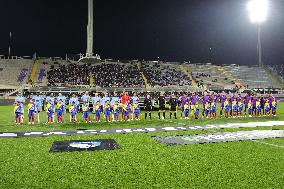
173, 106
148, 106
162, 103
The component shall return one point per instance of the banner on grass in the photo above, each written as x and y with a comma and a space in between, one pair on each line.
221, 137
83, 145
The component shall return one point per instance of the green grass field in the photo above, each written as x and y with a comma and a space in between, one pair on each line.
141, 162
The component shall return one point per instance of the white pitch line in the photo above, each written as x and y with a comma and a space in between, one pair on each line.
275, 145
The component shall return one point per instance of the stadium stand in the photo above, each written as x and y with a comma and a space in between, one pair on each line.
164, 75
117, 75
209, 76
230, 76
23, 74
72, 74
14, 72
279, 69
252, 77
40, 75
277, 73
109, 74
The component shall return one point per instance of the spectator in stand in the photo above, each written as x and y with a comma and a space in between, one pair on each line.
104, 75
117, 75
74, 74
162, 75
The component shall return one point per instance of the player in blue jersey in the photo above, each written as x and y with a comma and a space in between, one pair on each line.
258, 107
21, 100
213, 110
186, 109
116, 111
126, 111
97, 111
17, 112
38, 104
105, 99
250, 108
86, 115
273, 106
51, 100
60, 110
207, 109
227, 107
115, 99
267, 107
136, 110
107, 111
240, 108
85, 98
134, 99
31, 112
196, 111
96, 99
73, 112
235, 107
62, 98
49, 112
21, 104
74, 99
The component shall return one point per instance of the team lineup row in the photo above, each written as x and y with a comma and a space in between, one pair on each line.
230, 106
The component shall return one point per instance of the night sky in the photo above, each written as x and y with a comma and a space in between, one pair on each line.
174, 30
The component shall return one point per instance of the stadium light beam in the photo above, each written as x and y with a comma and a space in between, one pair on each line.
258, 13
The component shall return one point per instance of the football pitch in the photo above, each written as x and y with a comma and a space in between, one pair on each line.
141, 162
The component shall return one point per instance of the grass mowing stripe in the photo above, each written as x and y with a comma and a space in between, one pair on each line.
140, 163
275, 145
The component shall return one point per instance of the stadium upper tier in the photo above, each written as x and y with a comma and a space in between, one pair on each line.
14, 72
133, 74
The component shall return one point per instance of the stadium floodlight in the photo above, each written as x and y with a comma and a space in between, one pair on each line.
258, 12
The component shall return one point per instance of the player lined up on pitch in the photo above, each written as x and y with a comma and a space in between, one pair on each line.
126, 108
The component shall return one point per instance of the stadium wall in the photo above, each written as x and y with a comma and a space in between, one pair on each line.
6, 102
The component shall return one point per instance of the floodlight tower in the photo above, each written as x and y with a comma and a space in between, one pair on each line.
258, 13
90, 27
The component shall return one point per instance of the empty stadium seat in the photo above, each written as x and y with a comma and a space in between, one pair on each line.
15, 72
